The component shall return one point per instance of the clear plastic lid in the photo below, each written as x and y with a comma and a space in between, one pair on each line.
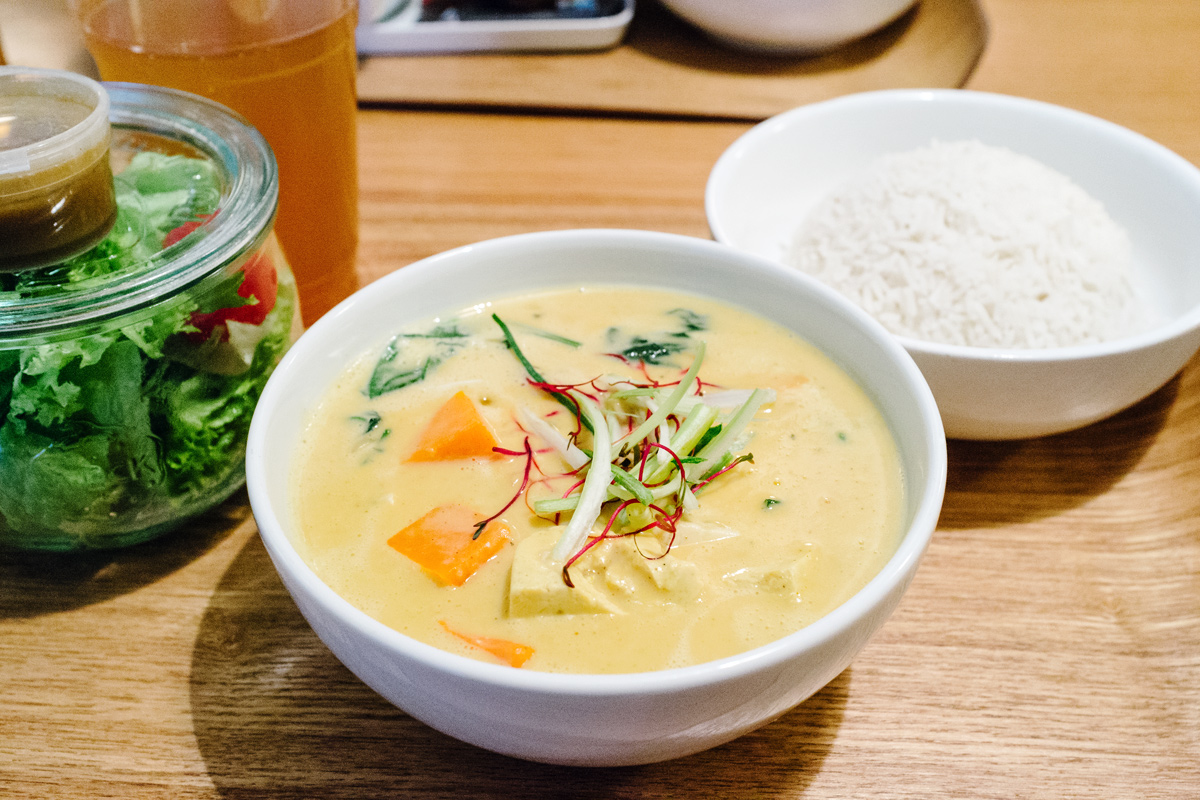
47, 117
56, 196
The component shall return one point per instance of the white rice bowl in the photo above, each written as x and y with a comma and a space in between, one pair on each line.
1022, 381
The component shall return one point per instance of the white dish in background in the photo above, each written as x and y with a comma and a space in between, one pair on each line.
788, 27
394, 27
763, 186
595, 719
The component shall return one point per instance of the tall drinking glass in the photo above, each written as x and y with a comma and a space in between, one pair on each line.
289, 67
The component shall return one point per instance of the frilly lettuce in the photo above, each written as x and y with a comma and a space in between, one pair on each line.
106, 436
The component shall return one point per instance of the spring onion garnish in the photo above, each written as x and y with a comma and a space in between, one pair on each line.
510, 342
565, 447
723, 443
669, 403
595, 484
653, 446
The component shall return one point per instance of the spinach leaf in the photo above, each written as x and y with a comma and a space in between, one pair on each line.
650, 352
691, 321
660, 348
409, 358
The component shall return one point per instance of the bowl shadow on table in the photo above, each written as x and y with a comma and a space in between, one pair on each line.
658, 34
276, 715
992, 484
35, 583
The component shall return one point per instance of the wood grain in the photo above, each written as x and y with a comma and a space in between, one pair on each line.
439, 180
1048, 648
1133, 63
667, 67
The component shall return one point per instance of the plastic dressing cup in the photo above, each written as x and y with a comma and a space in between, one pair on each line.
56, 185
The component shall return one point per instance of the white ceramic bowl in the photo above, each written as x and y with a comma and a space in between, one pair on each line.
769, 180
788, 26
594, 719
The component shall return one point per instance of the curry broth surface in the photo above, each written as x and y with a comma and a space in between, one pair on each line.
776, 543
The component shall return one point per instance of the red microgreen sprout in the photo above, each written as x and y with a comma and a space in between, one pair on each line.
528, 453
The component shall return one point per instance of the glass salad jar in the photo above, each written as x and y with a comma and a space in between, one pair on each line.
129, 373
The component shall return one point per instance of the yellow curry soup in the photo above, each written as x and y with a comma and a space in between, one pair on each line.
429, 433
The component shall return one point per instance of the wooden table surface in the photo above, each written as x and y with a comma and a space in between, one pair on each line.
1049, 646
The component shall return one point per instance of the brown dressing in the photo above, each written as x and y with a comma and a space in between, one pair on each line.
50, 208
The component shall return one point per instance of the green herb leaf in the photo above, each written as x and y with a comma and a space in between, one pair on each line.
510, 342
656, 350
402, 365
551, 336
645, 351
370, 421
691, 321
387, 378
705, 438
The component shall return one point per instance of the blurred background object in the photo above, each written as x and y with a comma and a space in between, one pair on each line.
290, 69
665, 65
42, 33
788, 27
465, 26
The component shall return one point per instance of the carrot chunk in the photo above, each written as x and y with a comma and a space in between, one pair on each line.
511, 653
455, 431
444, 544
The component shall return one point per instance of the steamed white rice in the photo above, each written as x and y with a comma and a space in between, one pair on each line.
968, 244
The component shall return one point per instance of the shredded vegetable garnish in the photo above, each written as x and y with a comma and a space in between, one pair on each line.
595, 484
511, 342
653, 445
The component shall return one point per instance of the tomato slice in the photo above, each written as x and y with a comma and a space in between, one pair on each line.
183, 230
260, 282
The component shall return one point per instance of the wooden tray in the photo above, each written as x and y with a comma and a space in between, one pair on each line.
666, 67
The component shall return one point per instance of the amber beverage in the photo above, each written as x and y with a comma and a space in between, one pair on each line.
289, 67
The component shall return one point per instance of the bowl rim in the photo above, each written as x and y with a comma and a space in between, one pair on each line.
896, 573
725, 168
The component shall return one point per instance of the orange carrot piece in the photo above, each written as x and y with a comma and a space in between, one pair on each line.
511, 653
442, 543
455, 431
